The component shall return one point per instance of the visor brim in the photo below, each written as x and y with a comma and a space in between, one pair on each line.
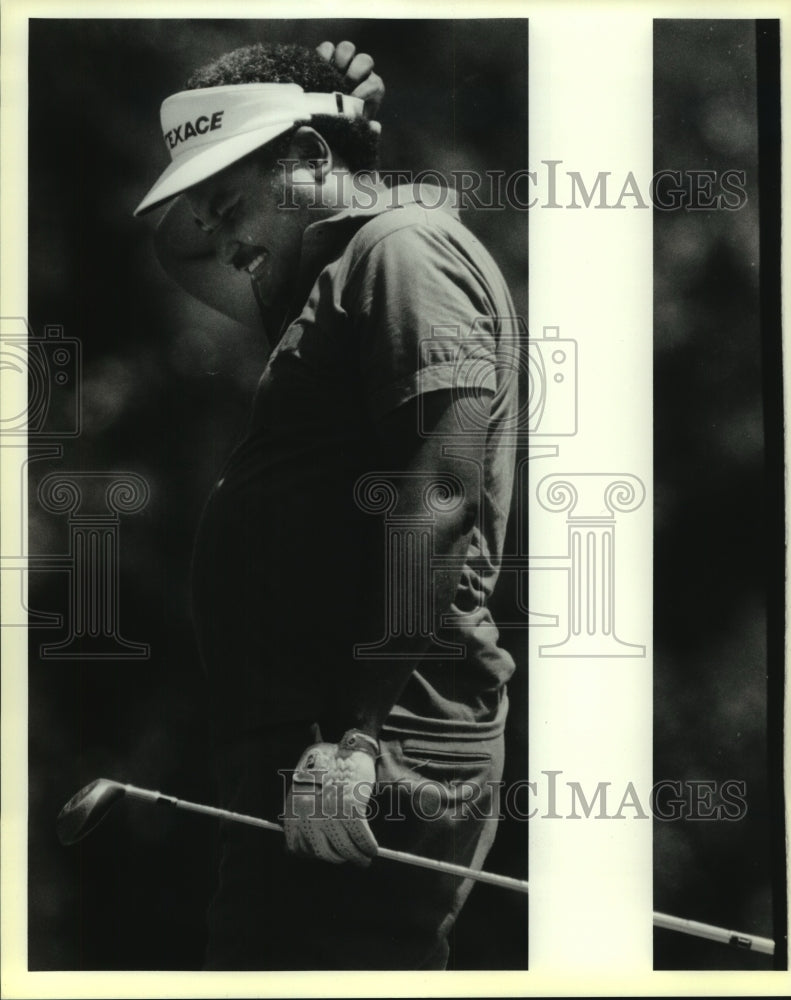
205, 161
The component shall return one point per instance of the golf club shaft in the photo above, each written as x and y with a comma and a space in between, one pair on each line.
146, 795
748, 942
737, 939
504, 881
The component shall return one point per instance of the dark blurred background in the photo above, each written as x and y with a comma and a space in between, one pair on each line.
166, 388
714, 535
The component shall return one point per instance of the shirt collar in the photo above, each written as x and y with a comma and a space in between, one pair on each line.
326, 238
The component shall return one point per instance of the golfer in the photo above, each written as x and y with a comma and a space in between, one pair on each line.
348, 550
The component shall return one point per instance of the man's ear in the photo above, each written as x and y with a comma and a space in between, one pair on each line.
311, 149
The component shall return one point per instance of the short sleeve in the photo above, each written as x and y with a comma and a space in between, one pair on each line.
422, 316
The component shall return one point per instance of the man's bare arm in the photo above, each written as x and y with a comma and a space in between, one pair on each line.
370, 688
325, 808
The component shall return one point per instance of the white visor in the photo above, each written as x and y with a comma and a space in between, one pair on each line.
207, 130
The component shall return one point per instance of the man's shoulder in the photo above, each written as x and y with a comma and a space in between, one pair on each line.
412, 221
416, 234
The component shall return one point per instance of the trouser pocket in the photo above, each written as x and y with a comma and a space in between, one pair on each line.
437, 789
276, 911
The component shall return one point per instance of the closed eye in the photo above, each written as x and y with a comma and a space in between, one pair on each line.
223, 210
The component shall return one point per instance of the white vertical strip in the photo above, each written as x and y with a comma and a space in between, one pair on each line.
591, 541
785, 238
13, 537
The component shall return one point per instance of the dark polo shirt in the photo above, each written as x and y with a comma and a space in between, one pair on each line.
399, 299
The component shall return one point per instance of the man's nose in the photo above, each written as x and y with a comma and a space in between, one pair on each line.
226, 251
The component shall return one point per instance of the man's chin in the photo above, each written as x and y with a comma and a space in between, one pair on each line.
264, 275
268, 292
273, 280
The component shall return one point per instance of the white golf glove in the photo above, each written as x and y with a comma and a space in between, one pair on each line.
326, 805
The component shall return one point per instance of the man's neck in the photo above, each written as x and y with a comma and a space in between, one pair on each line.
340, 191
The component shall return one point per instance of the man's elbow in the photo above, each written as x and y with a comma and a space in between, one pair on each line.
455, 509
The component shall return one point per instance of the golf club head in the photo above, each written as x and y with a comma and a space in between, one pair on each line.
86, 809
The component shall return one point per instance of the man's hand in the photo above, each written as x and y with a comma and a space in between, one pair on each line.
325, 809
358, 69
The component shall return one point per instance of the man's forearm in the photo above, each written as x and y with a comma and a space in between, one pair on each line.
423, 450
370, 687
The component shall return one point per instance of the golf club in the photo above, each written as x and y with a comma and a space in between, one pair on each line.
90, 805
85, 810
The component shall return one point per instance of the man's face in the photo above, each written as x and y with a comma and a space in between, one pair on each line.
250, 233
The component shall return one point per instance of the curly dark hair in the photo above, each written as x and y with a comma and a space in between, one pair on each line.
351, 139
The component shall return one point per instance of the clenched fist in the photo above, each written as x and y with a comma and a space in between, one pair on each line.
326, 806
